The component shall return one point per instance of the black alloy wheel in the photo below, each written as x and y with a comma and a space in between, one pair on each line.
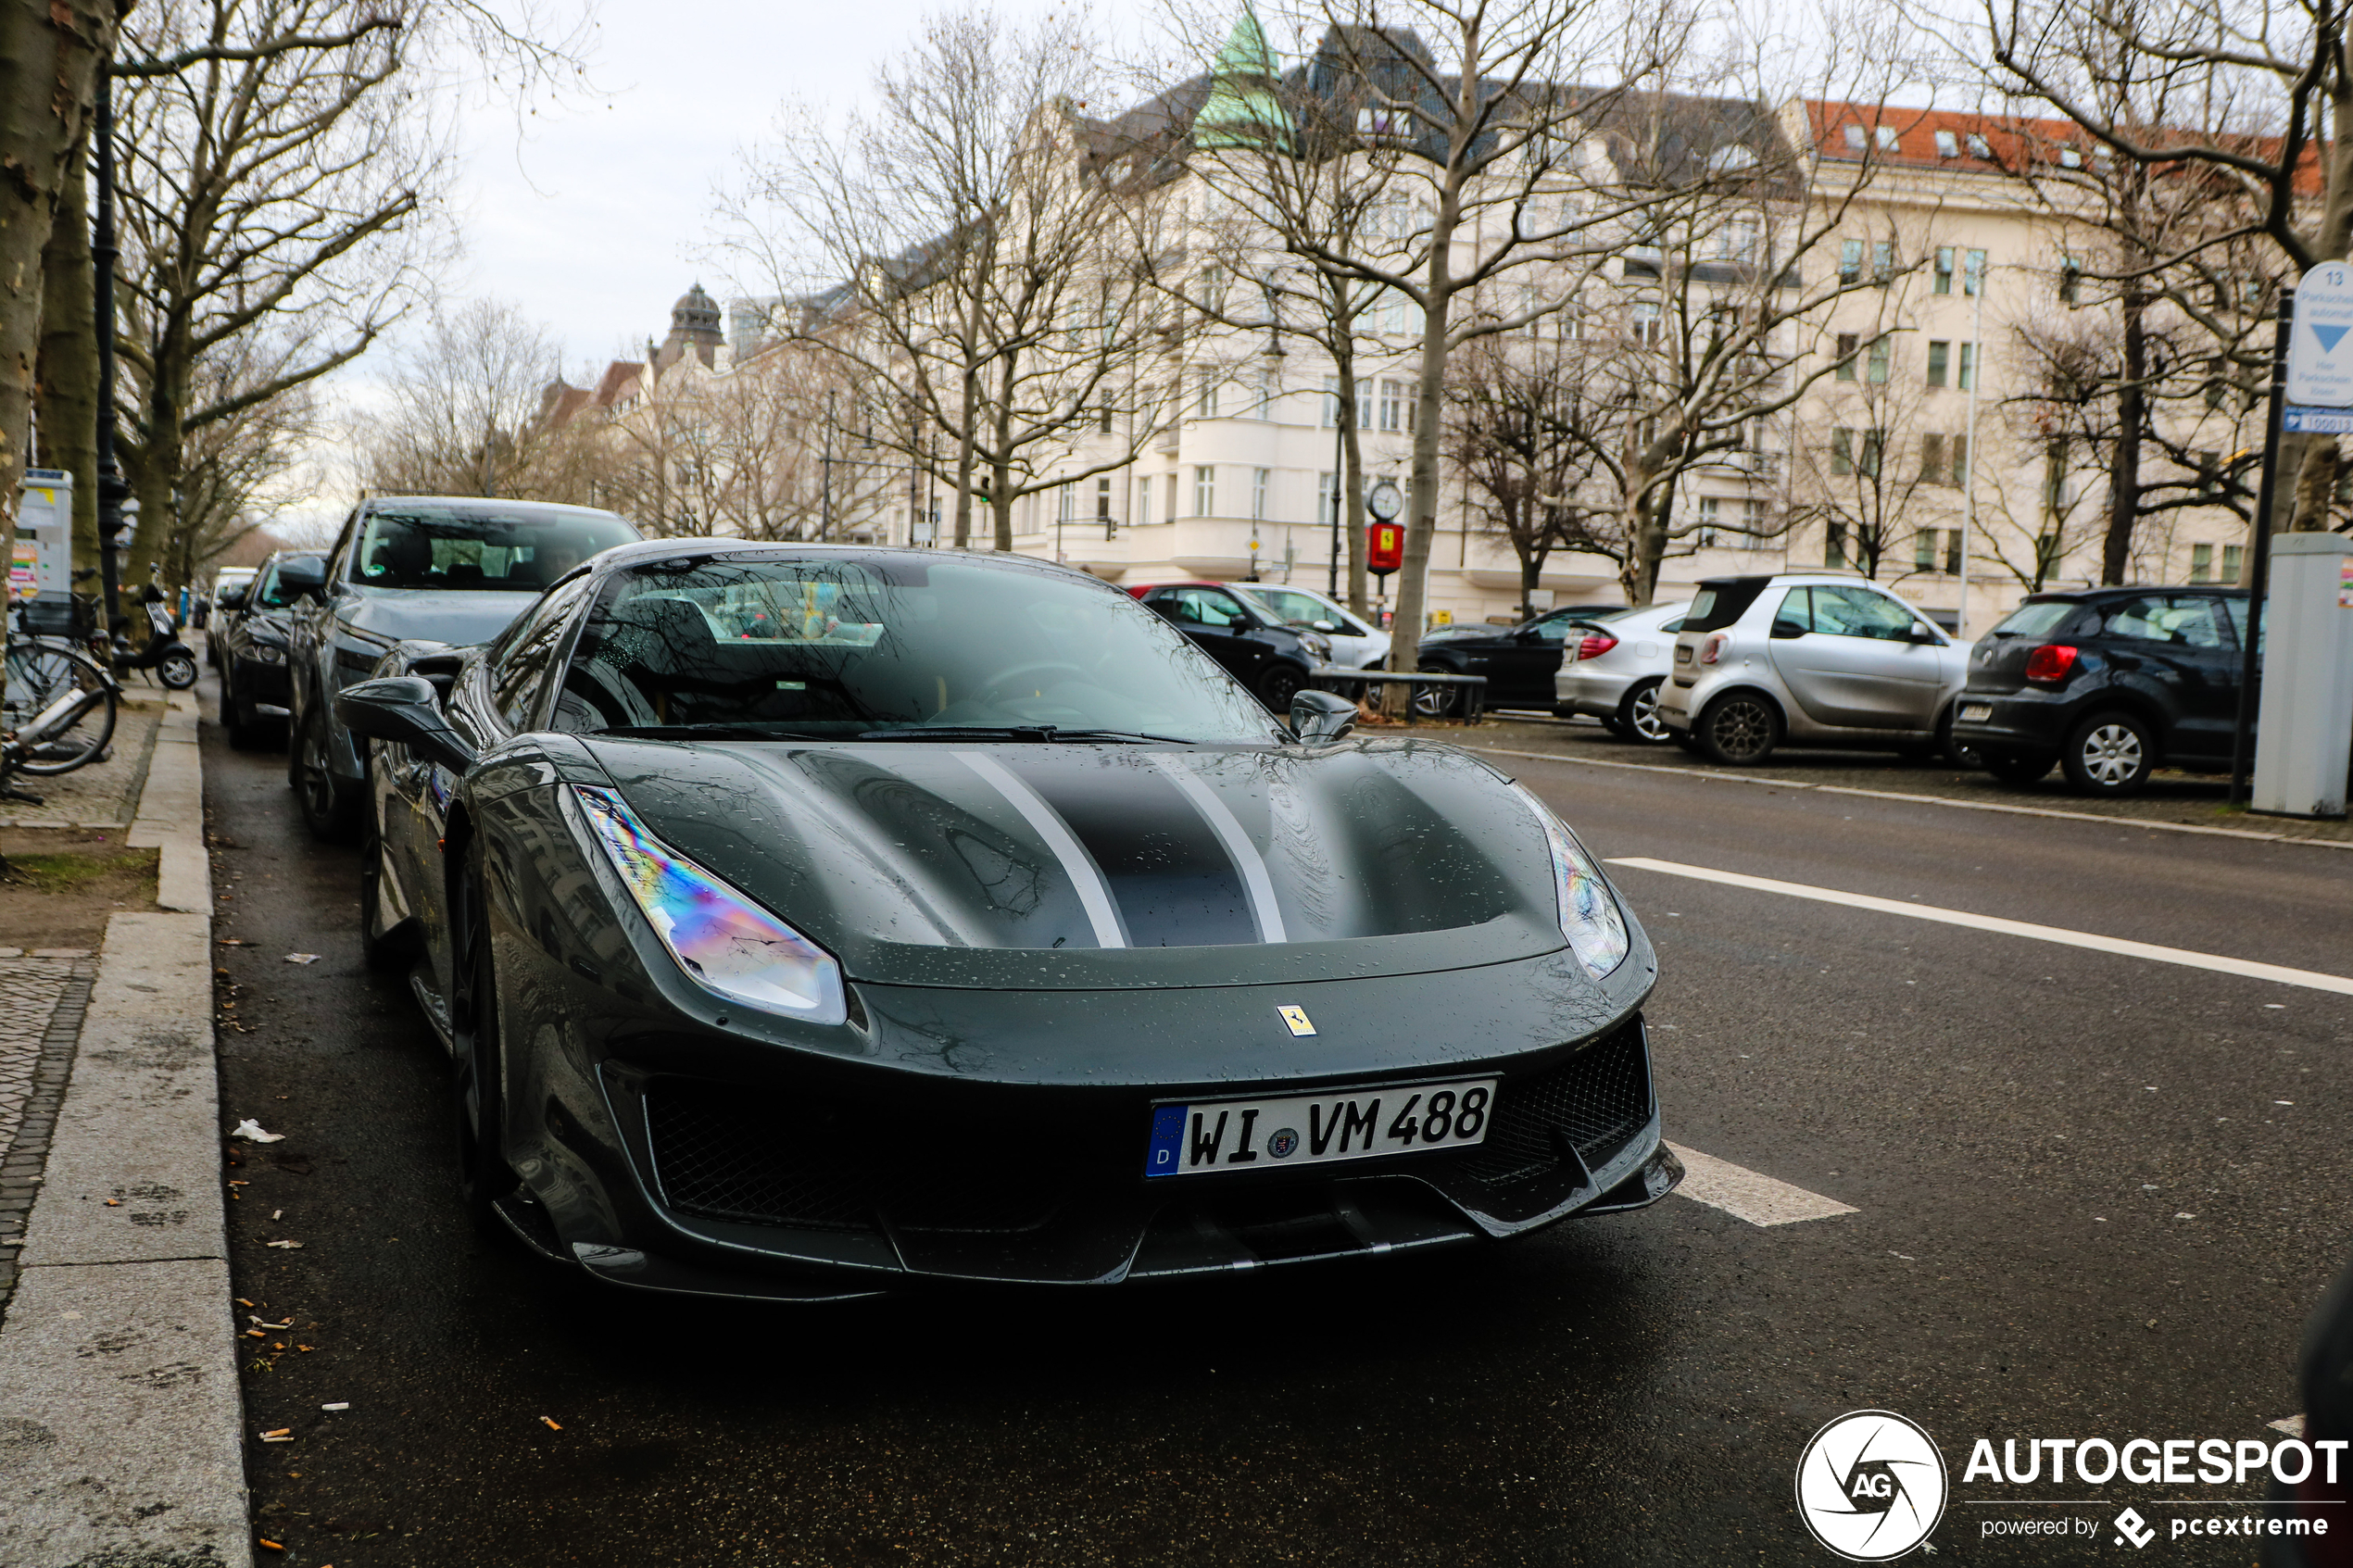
477, 1086
2110, 754
1954, 752
1638, 719
1739, 730
1436, 702
2018, 768
1278, 685
328, 809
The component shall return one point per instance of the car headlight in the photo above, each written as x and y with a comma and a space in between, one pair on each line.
728, 944
1590, 916
269, 653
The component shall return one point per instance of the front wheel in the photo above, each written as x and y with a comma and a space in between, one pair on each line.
374, 951
1436, 702
478, 1089
2110, 754
178, 670
1278, 685
328, 807
1638, 717
1739, 730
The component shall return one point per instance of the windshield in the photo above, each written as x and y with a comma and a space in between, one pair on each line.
1300, 609
838, 646
508, 548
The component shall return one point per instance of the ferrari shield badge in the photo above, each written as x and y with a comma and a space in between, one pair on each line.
1297, 1019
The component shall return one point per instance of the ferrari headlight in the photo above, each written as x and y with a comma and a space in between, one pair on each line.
1590, 915
730, 945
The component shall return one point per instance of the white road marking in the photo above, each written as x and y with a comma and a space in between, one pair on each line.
1919, 799
2248, 968
1744, 1195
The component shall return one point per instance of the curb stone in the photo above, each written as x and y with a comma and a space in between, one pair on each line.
121, 1416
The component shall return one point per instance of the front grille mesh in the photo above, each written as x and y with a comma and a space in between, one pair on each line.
760, 1159
1598, 1099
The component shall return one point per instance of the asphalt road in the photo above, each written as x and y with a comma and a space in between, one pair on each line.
2019, 1125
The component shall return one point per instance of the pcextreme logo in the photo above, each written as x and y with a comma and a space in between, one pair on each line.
1870, 1485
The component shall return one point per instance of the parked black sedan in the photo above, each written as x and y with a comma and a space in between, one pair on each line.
1519, 662
803, 919
2108, 683
248, 641
1265, 655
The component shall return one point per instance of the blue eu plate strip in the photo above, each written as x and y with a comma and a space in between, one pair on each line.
1169, 1141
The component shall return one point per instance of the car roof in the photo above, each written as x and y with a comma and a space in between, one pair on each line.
622, 555
2113, 590
471, 503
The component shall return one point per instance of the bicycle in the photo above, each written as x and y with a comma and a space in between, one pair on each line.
61, 705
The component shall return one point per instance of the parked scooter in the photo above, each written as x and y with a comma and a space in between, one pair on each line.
164, 654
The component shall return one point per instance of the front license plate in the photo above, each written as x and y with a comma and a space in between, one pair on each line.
1976, 712
1259, 1134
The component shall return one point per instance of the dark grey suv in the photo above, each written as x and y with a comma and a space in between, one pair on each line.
440, 569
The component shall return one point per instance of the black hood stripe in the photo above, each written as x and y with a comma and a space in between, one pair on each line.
1264, 912
1170, 873
1086, 877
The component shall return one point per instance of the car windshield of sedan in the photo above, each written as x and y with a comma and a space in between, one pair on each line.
842, 646
511, 549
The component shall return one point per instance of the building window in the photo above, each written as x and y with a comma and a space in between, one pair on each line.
1171, 496
1887, 141
1944, 261
1065, 504
1924, 550
1932, 459
1646, 322
1752, 516
1940, 354
1259, 478
1396, 404
1204, 490
1979, 147
1102, 506
1102, 419
1968, 378
1207, 407
1850, 252
1710, 510
1834, 545
1327, 497
2071, 281
1856, 140
1868, 451
1331, 402
1947, 145
1144, 503
1882, 260
1841, 452
2201, 563
1848, 343
1958, 447
1876, 371
1973, 272
2231, 554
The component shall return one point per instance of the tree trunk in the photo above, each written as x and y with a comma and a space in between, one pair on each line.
964, 453
68, 389
49, 55
1421, 509
1348, 506
2315, 488
2124, 463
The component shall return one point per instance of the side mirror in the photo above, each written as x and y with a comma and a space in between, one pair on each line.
1323, 626
231, 598
1917, 633
1320, 718
301, 580
402, 709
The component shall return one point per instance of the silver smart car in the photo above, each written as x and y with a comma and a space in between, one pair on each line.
1809, 659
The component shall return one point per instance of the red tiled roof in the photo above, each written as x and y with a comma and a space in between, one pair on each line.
1989, 143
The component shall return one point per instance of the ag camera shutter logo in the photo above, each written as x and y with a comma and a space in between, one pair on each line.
1870, 1485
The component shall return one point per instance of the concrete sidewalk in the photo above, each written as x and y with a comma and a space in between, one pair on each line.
120, 1422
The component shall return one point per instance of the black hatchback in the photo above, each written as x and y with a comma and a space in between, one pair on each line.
2108, 683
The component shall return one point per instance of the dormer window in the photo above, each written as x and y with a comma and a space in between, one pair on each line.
2070, 158
1856, 140
1980, 148
1731, 157
1947, 144
1887, 142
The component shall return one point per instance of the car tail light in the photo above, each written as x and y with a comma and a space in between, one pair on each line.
2052, 662
1713, 649
1595, 645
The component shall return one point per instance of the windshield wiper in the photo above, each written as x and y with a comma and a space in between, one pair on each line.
1048, 733
702, 732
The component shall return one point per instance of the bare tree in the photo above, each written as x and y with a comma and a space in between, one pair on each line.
2240, 108
960, 247
1512, 406
282, 195
464, 407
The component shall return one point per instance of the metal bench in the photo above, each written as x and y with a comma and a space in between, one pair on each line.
1428, 698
